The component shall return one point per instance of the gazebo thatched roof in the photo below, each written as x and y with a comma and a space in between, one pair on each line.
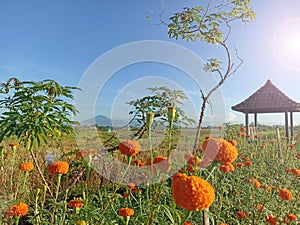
267, 99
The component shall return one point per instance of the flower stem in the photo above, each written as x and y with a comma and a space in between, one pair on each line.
58, 185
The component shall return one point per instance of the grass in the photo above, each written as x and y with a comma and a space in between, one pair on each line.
152, 202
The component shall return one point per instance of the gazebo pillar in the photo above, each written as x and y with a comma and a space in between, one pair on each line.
247, 123
286, 124
255, 122
292, 125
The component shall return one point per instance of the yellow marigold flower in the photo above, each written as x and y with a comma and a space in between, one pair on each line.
192, 192
271, 220
227, 168
126, 212
59, 167
285, 194
19, 209
75, 203
129, 147
220, 149
291, 216
26, 166
84, 152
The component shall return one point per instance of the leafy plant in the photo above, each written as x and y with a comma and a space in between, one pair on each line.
35, 112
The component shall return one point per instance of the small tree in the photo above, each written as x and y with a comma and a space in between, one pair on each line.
212, 24
35, 112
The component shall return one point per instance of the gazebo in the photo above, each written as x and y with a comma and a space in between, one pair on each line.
269, 99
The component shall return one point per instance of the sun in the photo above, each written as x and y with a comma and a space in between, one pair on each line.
286, 44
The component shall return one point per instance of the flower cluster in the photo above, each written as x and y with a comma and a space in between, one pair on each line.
26, 166
19, 209
59, 167
192, 192
129, 147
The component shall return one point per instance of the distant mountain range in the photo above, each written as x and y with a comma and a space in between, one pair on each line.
101, 120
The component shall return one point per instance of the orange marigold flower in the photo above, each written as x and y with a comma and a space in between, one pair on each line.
19, 209
160, 162
241, 214
220, 149
59, 167
259, 207
291, 216
138, 162
233, 142
193, 163
227, 167
126, 195
130, 147
126, 212
243, 129
75, 203
248, 163
13, 145
295, 172
256, 183
271, 220
292, 146
84, 152
131, 186
265, 186
285, 194
187, 223
26, 166
240, 164
192, 192
298, 156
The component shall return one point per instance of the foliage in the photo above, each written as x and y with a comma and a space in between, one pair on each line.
35, 111
158, 103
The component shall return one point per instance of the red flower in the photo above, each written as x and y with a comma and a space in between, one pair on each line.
19, 209
241, 214
291, 216
129, 147
285, 194
271, 220
126, 212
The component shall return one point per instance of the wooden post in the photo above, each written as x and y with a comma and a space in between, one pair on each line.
247, 123
278, 142
255, 122
286, 125
292, 125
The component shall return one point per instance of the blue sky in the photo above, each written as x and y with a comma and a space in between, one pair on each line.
61, 39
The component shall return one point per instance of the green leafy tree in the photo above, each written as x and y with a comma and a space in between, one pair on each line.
34, 112
158, 102
212, 24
